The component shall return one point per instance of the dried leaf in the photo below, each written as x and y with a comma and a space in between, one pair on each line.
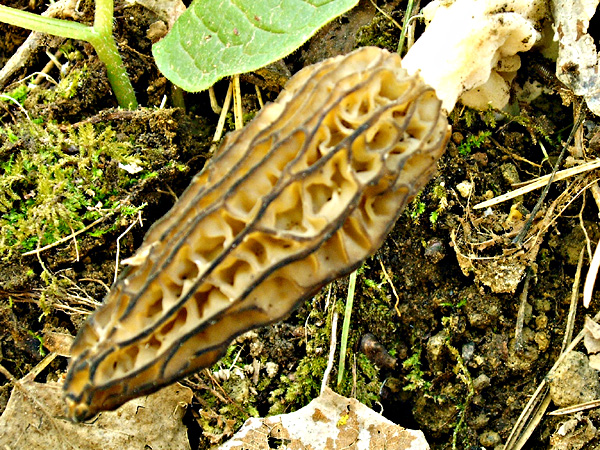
329, 421
592, 336
34, 419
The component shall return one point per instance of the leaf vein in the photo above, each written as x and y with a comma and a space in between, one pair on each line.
252, 20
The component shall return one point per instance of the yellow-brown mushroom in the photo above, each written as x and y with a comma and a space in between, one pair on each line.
300, 196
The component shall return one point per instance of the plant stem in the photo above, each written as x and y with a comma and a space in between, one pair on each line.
408, 14
346, 326
100, 36
105, 46
117, 76
103, 17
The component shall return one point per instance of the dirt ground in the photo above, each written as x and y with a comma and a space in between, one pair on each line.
436, 342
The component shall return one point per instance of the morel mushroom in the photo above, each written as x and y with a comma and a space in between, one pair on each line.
299, 197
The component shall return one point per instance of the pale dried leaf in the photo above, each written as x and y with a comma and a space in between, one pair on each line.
58, 342
328, 422
595, 362
591, 338
34, 419
501, 275
577, 64
573, 434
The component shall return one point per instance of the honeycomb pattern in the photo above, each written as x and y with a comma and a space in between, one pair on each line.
299, 197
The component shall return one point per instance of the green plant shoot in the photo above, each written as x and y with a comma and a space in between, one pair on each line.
99, 35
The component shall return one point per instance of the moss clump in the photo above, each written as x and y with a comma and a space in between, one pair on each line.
473, 142
297, 391
414, 378
55, 182
367, 383
381, 32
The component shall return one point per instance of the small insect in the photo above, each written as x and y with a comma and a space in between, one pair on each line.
301, 196
548, 76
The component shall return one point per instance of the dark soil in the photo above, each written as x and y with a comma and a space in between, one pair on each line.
454, 368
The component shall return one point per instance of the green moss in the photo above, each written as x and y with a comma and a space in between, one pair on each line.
463, 404
18, 94
381, 32
69, 85
294, 393
416, 207
473, 141
366, 385
414, 379
55, 182
465, 115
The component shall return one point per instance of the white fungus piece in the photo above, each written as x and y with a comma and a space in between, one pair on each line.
578, 60
470, 48
271, 368
465, 188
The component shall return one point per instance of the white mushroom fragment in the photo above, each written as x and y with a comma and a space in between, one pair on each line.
471, 46
300, 196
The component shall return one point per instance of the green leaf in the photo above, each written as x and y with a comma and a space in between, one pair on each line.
216, 38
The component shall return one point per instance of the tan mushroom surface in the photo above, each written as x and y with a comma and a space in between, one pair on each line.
300, 196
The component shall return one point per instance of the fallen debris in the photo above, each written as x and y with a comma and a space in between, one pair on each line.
35, 419
330, 421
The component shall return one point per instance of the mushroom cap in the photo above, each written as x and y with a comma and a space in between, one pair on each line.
300, 196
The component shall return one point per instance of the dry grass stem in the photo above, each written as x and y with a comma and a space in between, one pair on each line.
575, 408
573, 307
73, 235
529, 419
386, 15
223, 116
590, 279
32, 375
19, 105
214, 104
389, 280
521, 313
595, 190
538, 403
332, 347
122, 235
512, 154
261, 103
32, 43
539, 183
583, 229
237, 103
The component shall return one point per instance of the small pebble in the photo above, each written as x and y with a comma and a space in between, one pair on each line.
481, 382
574, 381
465, 188
435, 251
489, 439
